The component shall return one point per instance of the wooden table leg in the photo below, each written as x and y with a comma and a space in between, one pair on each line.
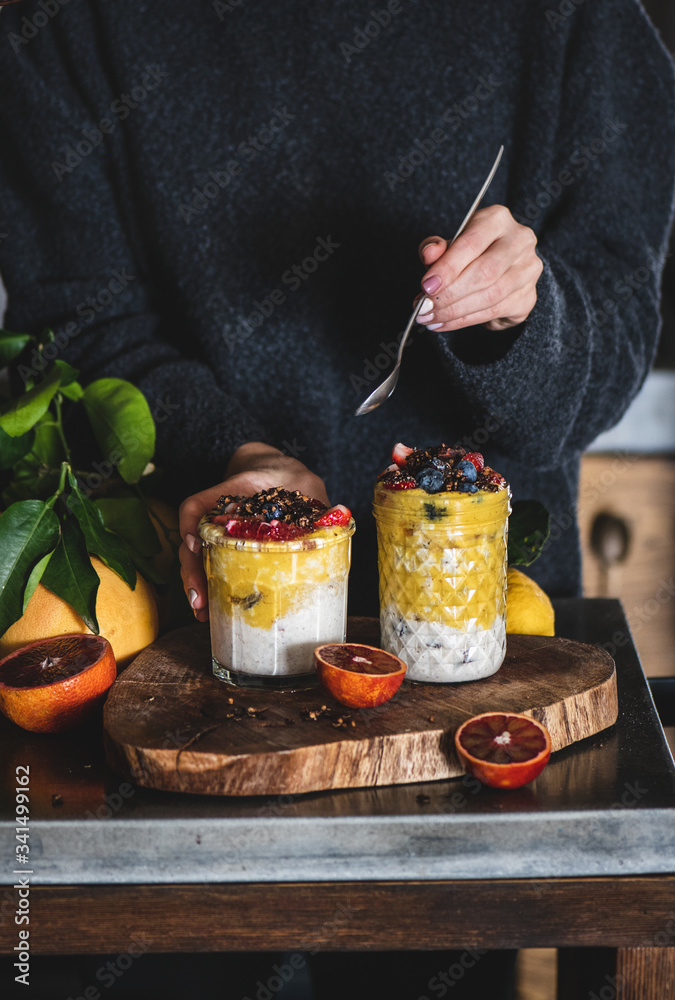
616, 973
646, 973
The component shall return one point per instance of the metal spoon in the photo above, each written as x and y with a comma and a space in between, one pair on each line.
385, 389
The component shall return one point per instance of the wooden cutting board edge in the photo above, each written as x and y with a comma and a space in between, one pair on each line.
182, 770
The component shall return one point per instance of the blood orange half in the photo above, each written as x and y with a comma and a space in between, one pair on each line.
359, 676
53, 684
503, 749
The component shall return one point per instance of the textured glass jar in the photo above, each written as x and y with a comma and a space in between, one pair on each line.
442, 563
271, 603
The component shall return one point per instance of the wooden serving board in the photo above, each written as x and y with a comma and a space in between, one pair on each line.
170, 724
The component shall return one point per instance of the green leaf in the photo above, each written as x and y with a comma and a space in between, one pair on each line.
68, 373
100, 542
73, 391
529, 524
30, 482
70, 574
48, 447
123, 425
29, 530
128, 518
13, 449
34, 578
18, 416
11, 345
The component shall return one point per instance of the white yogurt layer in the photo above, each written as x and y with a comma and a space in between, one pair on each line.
440, 654
287, 648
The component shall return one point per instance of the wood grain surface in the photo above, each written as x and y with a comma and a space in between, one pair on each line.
605, 912
170, 724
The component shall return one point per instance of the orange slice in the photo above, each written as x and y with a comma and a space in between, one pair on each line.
503, 749
55, 683
359, 676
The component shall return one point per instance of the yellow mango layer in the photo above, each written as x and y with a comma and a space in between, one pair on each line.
263, 581
442, 556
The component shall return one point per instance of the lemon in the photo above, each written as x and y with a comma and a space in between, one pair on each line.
127, 618
528, 609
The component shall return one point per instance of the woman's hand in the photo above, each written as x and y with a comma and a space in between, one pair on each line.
253, 467
488, 276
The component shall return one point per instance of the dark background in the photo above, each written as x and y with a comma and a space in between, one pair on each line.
662, 13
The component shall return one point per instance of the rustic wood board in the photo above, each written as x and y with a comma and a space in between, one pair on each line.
170, 724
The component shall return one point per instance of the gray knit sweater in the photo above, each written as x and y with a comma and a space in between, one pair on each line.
222, 202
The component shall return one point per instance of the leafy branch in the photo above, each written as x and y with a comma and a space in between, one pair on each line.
51, 526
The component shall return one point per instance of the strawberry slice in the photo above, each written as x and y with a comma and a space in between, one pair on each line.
334, 516
398, 481
400, 454
476, 459
493, 477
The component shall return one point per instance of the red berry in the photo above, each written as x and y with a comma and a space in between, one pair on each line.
476, 459
398, 481
281, 532
335, 516
494, 478
400, 454
242, 528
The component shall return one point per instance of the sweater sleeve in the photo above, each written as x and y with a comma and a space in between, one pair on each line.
591, 170
66, 257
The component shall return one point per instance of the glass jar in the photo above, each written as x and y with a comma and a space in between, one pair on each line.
442, 564
271, 603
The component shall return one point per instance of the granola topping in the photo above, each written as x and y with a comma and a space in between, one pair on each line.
440, 469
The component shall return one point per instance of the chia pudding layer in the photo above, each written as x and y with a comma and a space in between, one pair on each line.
442, 563
271, 602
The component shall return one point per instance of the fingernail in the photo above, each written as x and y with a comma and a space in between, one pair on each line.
434, 326
193, 597
432, 284
429, 243
427, 306
425, 320
192, 543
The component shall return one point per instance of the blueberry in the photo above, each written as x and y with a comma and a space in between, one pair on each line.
430, 479
272, 511
467, 488
468, 470
438, 463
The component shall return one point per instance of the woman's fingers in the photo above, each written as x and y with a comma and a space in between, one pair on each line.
491, 271
264, 472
